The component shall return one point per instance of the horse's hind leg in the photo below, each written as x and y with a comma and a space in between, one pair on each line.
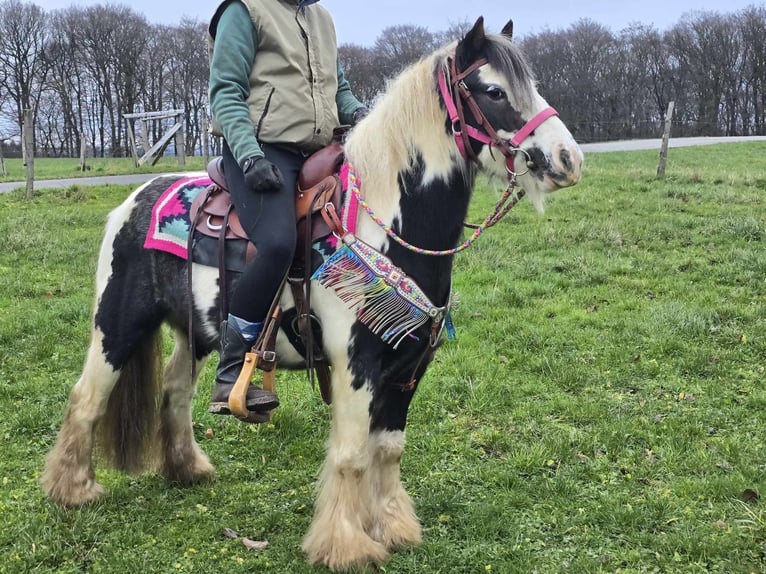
183, 459
394, 522
68, 477
338, 535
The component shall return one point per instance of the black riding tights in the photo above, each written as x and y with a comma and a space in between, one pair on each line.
269, 220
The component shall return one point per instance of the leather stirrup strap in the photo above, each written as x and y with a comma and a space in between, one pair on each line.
261, 354
319, 361
223, 310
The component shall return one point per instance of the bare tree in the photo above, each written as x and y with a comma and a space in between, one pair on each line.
752, 22
455, 31
157, 60
400, 46
112, 39
87, 67
187, 77
362, 71
23, 36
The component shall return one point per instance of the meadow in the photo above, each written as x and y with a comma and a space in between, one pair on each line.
66, 168
602, 410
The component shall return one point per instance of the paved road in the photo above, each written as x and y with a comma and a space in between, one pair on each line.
633, 145
627, 145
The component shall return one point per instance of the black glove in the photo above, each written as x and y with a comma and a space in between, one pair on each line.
261, 175
359, 115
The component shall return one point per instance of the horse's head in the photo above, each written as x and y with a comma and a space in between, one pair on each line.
501, 121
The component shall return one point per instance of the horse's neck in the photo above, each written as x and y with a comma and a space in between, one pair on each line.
412, 178
432, 215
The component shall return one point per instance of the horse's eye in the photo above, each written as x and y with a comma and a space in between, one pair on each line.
495, 93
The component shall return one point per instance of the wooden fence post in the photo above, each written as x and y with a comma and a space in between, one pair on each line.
132, 141
180, 142
144, 136
28, 145
3, 172
665, 140
83, 149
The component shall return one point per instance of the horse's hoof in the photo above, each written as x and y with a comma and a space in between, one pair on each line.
199, 470
340, 553
70, 494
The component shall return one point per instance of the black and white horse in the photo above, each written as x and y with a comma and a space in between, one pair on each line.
417, 173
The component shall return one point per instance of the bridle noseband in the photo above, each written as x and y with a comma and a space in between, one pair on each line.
456, 94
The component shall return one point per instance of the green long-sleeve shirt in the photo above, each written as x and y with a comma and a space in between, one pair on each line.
232, 60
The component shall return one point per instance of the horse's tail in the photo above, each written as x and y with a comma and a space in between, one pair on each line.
128, 430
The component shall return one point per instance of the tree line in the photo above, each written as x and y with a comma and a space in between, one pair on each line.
81, 69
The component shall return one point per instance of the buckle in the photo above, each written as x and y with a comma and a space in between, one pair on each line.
268, 356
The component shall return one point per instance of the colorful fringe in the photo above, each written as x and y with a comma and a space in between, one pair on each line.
387, 301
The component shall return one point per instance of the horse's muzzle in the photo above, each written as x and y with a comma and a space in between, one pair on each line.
566, 163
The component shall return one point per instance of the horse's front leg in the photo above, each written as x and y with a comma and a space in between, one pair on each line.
338, 536
394, 522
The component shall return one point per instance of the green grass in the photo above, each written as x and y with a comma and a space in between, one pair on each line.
65, 168
602, 410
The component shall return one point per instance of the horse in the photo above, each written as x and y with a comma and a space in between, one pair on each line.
469, 107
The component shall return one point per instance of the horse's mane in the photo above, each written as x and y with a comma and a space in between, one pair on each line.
400, 124
408, 123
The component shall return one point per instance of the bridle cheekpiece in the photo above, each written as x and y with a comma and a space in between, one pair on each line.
455, 94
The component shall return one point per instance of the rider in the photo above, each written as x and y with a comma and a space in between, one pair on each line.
277, 91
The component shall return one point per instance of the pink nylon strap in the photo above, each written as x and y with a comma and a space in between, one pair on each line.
532, 125
475, 134
454, 119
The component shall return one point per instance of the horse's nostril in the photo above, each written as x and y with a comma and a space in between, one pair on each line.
566, 159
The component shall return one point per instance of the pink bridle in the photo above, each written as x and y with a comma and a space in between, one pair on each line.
453, 99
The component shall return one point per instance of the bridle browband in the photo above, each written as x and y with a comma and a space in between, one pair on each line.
455, 94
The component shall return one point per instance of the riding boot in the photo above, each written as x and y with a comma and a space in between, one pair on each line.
234, 346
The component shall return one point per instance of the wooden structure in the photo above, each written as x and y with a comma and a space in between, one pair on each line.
153, 152
28, 147
665, 140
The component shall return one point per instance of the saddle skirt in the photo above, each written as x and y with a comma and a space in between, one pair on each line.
201, 206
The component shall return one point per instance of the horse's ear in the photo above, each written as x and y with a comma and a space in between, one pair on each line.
474, 40
508, 29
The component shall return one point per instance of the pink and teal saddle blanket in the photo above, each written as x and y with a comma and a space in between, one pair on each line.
387, 301
170, 224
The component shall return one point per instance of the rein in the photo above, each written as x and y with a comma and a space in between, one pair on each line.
506, 202
463, 132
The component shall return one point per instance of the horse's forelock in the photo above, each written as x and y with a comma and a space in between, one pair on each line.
505, 57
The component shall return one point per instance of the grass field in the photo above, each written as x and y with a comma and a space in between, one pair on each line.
65, 168
602, 410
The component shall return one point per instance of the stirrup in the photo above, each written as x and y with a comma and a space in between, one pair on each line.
238, 396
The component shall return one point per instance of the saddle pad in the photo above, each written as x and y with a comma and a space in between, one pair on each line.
170, 223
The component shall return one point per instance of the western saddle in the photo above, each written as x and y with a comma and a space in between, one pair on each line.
212, 214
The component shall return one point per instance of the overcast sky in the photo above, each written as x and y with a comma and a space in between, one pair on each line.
361, 21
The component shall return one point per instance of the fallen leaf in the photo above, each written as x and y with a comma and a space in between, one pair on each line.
229, 533
725, 465
255, 544
209, 433
721, 524
750, 496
